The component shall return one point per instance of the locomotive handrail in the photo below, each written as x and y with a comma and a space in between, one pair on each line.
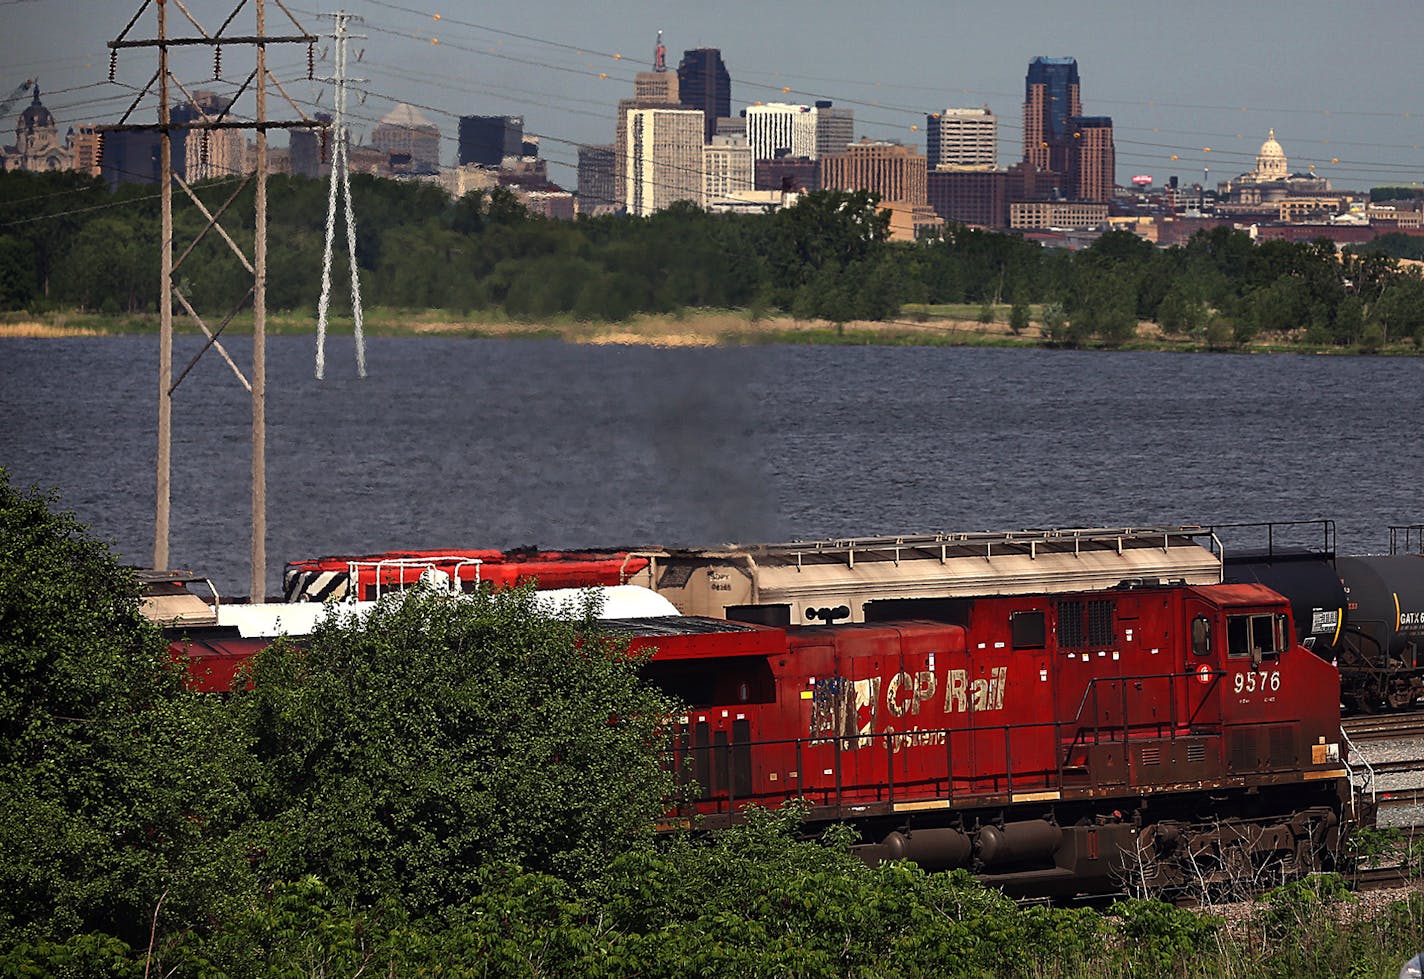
428, 562
887, 788
1125, 726
1369, 780
652, 559
1413, 538
1326, 525
1065, 538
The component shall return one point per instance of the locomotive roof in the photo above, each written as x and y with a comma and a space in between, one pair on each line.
1239, 593
697, 637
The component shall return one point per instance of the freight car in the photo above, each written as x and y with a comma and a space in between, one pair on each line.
1060, 743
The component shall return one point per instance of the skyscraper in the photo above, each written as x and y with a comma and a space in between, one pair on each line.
404, 130
703, 83
212, 153
663, 150
487, 140
656, 89
726, 169
596, 191
835, 129
1051, 98
781, 129
307, 149
895, 172
1092, 159
962, 139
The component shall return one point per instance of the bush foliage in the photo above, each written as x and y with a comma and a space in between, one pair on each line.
463, 787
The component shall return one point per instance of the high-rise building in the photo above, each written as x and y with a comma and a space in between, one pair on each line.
726, 169
1051, 98
893, 171
656, 86
663, 150
703, 83
788, 173
979, 197
656, 89
835, 128
1092, 160
404, 130
487, 140
596, 190
781, 129
962, 139
212, 153
83, 145
306, 149
133, 157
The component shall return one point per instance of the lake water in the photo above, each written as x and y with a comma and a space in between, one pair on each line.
454, 442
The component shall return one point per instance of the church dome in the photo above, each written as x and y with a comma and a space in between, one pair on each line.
1271, 161
35, 116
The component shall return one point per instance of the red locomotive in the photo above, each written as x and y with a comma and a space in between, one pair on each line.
1053, 743
367, 578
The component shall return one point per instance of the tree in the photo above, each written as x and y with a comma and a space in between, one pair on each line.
17, 273
1018, 316
825, 233
443, 735
117, 785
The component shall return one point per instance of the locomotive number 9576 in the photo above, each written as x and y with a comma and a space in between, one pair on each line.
1254, 681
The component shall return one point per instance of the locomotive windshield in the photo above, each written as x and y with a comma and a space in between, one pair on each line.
1262, 632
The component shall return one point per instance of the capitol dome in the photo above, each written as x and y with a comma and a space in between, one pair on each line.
1271, 161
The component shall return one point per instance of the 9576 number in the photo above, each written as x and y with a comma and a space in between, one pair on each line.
1254, 682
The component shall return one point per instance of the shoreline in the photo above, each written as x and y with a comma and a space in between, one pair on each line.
953, 326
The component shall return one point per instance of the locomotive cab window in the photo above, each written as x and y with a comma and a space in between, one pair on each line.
1027, 630
1201, 636
1248, 634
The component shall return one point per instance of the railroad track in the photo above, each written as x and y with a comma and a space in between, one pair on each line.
1384, 727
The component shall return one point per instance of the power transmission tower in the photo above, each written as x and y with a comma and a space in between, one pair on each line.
169, 288
340, 178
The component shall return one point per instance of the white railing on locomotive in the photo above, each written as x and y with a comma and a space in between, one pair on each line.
1057, 540
1367, 777
429, 571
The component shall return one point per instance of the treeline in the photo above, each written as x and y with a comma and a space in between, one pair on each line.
469, 787
65, 240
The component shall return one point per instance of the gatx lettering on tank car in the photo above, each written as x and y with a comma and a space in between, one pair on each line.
1051, 743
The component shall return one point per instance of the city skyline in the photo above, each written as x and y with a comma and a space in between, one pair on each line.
1169, 95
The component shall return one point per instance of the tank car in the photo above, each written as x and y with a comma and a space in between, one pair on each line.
1066, 743
1384, 628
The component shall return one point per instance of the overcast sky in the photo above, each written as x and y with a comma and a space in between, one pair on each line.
1339, 82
